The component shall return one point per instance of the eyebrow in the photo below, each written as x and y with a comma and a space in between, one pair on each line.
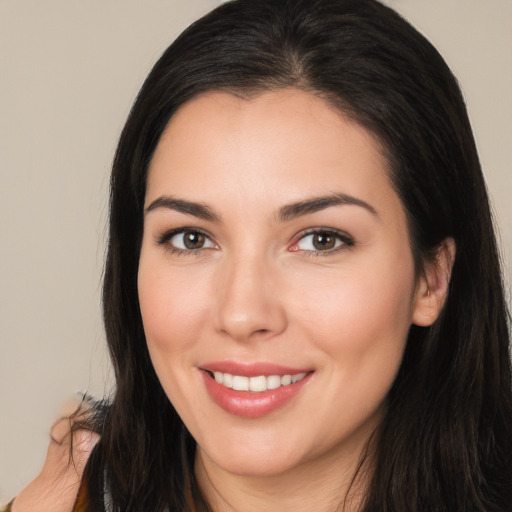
316, 204
199, 210
286, 213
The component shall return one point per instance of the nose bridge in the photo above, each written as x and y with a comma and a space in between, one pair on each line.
247, 305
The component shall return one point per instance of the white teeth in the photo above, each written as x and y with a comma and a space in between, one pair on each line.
273, 381
285, 380
256, 384
227, 380
296, 378
240, 383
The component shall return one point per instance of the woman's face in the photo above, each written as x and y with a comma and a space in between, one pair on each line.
275, 249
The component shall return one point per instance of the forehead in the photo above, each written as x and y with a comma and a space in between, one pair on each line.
279, 143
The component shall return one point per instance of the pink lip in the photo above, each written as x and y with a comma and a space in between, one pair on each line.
248, 404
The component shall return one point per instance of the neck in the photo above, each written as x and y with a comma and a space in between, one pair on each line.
329, 483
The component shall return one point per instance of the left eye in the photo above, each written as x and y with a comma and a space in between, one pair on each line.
320, 241
190, 240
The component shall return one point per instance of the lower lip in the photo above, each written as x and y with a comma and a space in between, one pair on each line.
249, 404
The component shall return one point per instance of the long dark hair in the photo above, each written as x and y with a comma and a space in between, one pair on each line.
445, 443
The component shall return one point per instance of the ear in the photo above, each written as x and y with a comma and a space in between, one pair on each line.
432, 286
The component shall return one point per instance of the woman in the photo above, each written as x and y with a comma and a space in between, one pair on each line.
302, 296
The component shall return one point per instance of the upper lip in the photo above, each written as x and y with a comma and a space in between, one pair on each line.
252, 369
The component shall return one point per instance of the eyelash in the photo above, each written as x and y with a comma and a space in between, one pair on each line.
346, 241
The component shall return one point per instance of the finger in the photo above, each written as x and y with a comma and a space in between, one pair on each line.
56, 487
70, 454
72, 412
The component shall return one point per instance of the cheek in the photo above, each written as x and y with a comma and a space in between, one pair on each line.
173, 314
359, 315
173, 309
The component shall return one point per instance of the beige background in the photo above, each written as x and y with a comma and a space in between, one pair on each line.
69, 71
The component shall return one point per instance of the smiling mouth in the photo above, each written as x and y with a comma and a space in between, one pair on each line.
253, 390
256, 384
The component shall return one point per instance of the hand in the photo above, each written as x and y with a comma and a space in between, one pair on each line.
56, 487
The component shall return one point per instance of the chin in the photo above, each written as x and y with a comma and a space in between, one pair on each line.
259, 465
251, 451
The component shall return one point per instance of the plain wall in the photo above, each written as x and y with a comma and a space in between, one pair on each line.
69, 72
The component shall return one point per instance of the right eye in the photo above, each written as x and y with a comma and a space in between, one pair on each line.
187, 240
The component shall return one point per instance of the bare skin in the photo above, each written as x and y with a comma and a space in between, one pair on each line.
56, 486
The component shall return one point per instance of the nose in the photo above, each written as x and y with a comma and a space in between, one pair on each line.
248, 303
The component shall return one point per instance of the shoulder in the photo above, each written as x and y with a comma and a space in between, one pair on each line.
57, 485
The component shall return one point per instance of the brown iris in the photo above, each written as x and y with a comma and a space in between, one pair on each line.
324, 241
193, 240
